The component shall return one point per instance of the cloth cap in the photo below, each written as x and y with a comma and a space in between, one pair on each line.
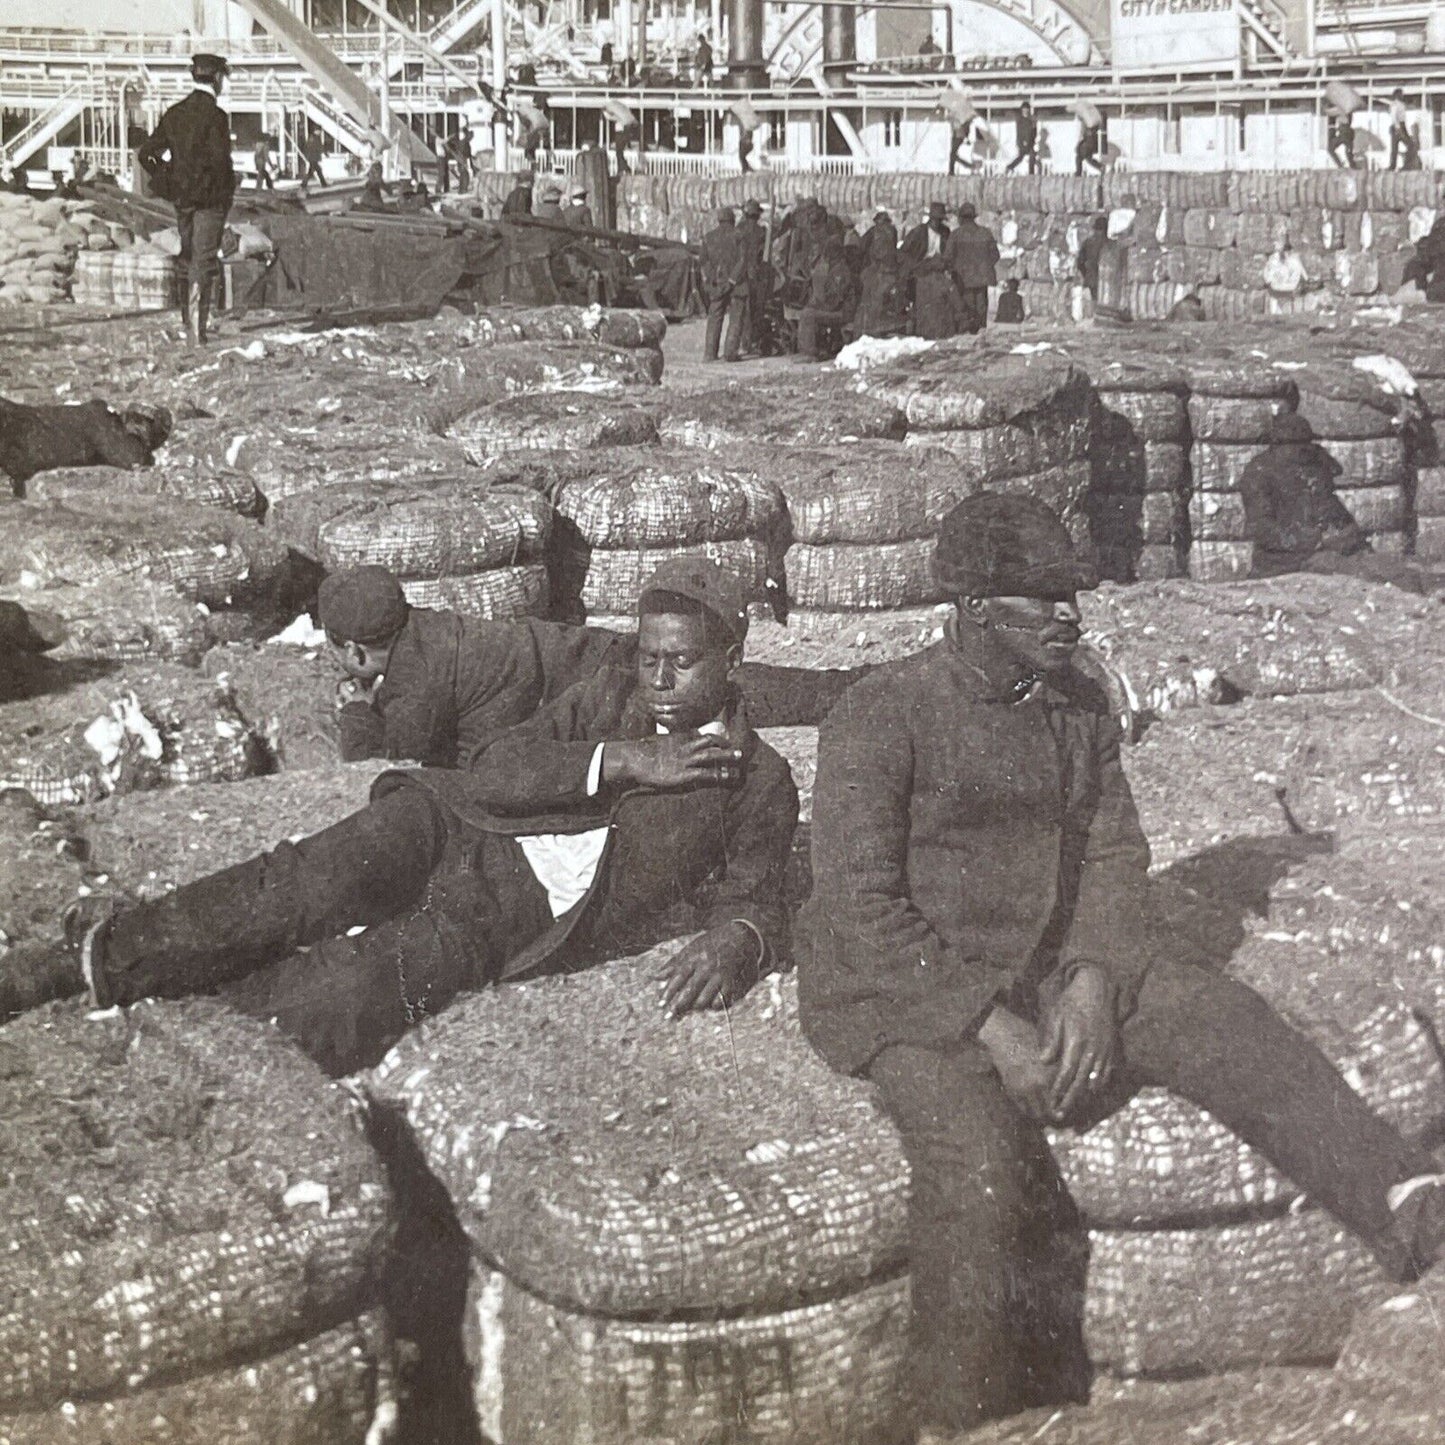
577, 190
1289, 426
752, 208
362, 604
207, 67
937, 208
967, 211
704, 582
724, 216
993, 545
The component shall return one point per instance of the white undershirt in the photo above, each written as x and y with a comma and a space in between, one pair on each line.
566, 863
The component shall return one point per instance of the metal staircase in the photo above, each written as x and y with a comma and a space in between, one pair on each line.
334, 120
1277, 27
48, 124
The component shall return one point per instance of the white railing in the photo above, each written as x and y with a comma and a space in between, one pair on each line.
54, 118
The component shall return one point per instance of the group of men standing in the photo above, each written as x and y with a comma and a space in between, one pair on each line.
842, 283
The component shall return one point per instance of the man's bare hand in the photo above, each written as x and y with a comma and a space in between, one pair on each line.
716, 968
1081, 1040
672, 761
1013, 1045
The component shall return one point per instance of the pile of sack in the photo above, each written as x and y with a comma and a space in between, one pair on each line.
39, 241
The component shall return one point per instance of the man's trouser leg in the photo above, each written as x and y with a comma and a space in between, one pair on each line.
205, 265
362, 871
717, 308
998, 1254
346, 1000
186, 229
737, 314
974, 301
1217, 1043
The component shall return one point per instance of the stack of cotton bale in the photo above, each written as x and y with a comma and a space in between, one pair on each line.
823, 411
1015, 423
624, 510
1139, 497
1231, 406
198, 1235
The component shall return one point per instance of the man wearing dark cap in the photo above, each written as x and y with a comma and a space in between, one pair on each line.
724, 272
188, 159
883, 296
977, 944
827, 320
572, 842
971, 254
432, 686
934, 296
519, 198
1298, 523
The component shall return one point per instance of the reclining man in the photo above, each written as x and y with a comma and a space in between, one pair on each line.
431, 686
616, 803
976, 945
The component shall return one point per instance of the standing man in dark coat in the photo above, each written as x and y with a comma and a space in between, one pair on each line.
1026, 136
757, 275
832, 300
431, 686
1091, 252
188, 159
971, 255
569, 843
519, 198
883, 297
935, 298
312, 149
976, 945
724, 267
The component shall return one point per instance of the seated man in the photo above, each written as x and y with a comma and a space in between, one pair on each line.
88, 434
832, 301
976, 945
1298, 523
431, 686
632, 793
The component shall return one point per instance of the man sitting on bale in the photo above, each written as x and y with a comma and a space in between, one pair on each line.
1298, 523
432, 686
41, 438
977, 945
631, 794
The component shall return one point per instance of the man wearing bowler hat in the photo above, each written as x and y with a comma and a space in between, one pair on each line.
935, 298
977, 945
188, 159
570, 843
971, 254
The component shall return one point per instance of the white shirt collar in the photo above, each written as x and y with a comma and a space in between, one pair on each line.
717, 728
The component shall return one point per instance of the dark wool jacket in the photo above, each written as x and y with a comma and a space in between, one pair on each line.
452, 682
721, 849
197, 136
972, 255
959, 852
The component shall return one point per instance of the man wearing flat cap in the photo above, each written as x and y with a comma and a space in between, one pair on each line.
757, 273
575, 841
933, 293
188, 159
432, 686
971, 254
976, 945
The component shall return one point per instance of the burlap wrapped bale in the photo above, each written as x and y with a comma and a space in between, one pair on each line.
1274, 637
842, 578
820, 415
685, 1206
615, 577
1154, 416
946, 389
574, 420
1170, 1302
625, 329
1233, 420
202, 737
823, 1373
1219, 561
185, 1190
43, 874
125, 620
1377, 462
867, 492
497, 594
338, 1387
1350, 758
447, 530
1278, 1406
989, 455
1217, 375
205, 554
232, 491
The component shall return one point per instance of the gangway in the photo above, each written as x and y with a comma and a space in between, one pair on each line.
347, 89
68, 106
